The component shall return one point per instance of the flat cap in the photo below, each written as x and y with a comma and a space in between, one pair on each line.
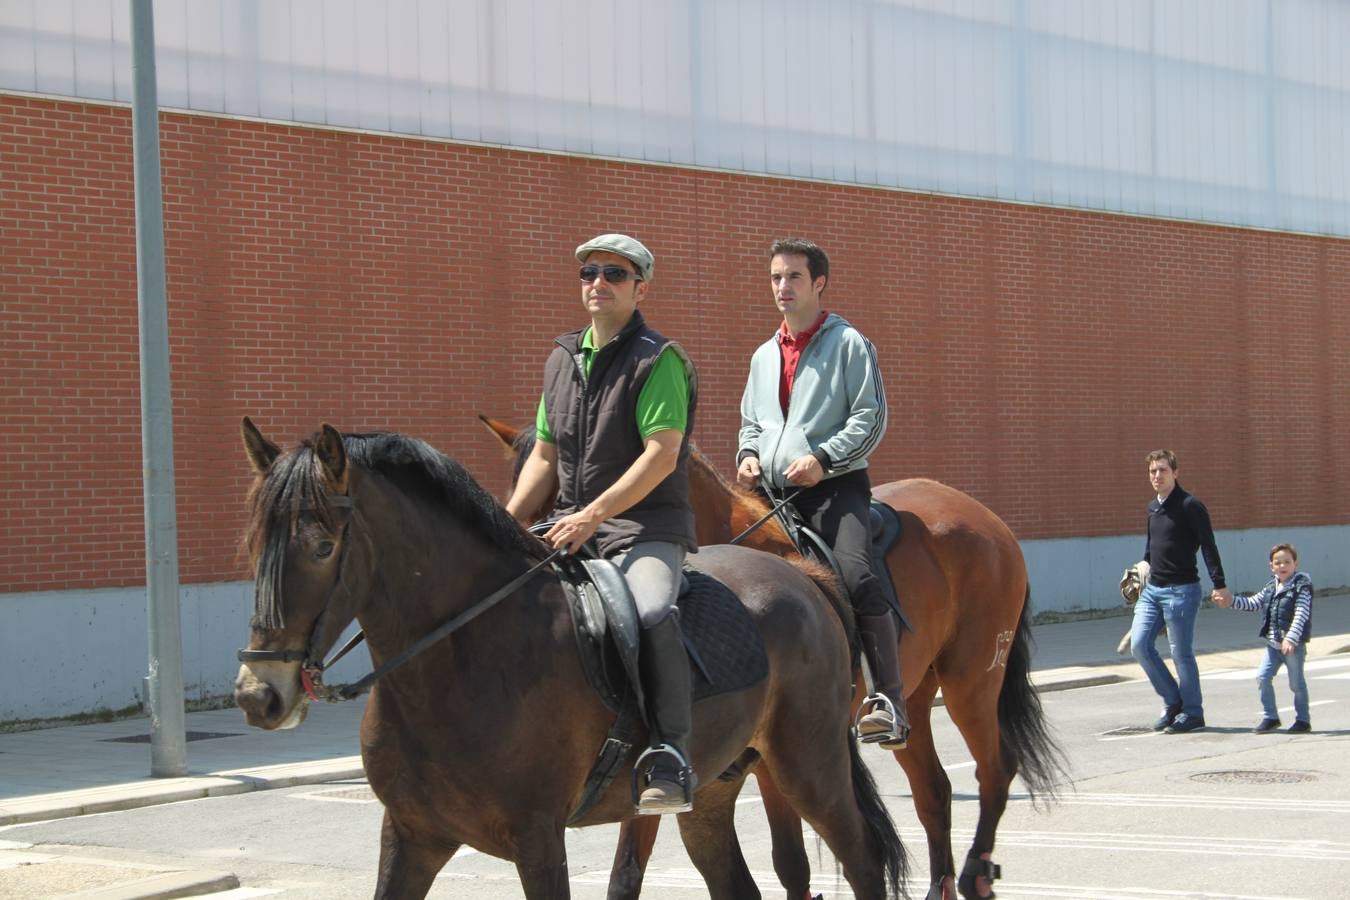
629, 248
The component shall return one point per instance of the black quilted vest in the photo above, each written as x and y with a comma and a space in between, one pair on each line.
1280, 610
594, 422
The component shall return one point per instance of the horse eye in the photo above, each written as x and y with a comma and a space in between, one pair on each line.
323, 550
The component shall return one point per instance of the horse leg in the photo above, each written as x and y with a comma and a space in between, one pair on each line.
709, 835
407, 867
831, 789
790, 861
636, 838
542, 863
975, 712
931, 789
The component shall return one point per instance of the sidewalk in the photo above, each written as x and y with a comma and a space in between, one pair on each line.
75, 770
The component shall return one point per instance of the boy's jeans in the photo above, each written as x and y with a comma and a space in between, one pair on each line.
1177, 606
1265, 678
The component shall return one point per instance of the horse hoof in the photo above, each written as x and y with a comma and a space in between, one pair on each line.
978, 873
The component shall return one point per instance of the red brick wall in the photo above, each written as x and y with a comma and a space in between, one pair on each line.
1032, 355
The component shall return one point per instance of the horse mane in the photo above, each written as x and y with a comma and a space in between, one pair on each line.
748, 503
292, 485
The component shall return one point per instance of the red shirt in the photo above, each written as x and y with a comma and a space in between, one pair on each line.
791, 349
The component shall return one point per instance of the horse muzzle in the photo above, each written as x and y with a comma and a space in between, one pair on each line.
270, 695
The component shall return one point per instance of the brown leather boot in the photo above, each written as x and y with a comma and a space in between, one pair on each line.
666, 682
881, 645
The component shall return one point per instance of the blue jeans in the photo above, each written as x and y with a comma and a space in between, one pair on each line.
1265, 678
1177, 606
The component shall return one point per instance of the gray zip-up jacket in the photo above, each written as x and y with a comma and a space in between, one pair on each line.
837, 409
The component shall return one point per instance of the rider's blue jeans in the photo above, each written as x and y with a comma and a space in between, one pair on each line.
1265, 677
1177, 607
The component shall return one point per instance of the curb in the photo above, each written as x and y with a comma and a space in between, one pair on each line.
163, 887
1069, 679
133, 795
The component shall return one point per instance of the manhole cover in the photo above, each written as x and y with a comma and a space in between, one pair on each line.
191, 736
350, 795
1253, 776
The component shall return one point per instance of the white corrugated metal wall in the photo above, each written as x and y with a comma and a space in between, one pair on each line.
1233, 111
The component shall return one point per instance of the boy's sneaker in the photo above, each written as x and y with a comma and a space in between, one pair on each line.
1299, 727
1265, 726
1184, 723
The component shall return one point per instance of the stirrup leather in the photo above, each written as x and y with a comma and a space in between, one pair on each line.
683, 772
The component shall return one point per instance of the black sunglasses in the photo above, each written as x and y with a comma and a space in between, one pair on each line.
613, 274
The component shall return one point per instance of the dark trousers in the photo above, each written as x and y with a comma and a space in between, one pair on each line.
837, 510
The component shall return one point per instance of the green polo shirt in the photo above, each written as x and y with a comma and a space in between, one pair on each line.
662, 404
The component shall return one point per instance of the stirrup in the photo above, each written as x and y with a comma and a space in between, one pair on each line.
870, 706
678, 767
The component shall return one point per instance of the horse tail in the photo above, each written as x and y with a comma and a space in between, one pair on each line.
895, 865
1028, 747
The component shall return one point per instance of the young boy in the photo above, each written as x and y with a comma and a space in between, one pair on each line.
1286, 601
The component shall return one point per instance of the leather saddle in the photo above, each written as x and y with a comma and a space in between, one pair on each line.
724, 646
886, 529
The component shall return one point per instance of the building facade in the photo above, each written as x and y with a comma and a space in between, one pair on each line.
1075, 233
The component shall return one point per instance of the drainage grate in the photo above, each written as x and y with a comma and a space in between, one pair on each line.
1129, 729
1253, 776
191, 736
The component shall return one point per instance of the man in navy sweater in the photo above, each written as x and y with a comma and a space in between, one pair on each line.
1178, 526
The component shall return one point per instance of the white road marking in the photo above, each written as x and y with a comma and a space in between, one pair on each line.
1091, 892
1311, 703
1285, 804
322, 799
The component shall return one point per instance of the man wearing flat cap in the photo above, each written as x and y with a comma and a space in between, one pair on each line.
613, 433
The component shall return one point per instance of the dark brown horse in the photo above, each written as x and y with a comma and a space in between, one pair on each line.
963, 584
486, 739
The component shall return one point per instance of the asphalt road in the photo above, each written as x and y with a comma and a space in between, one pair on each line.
1222, 813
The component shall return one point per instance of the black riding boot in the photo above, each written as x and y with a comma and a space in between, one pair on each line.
881, 645
665, 677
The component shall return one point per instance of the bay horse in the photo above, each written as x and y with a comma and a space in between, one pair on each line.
486, 739
962, 582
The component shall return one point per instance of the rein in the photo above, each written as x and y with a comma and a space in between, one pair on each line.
773, 511
350, 691
312, 673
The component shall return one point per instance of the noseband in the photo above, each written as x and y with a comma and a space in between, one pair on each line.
311, 671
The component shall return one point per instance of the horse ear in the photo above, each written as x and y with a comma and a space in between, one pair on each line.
260, 450
333, 458
504, 433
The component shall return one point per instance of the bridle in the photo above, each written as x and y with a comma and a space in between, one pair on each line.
312, 665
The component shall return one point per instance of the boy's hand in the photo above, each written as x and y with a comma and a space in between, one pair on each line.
1223, 597
1287, 646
